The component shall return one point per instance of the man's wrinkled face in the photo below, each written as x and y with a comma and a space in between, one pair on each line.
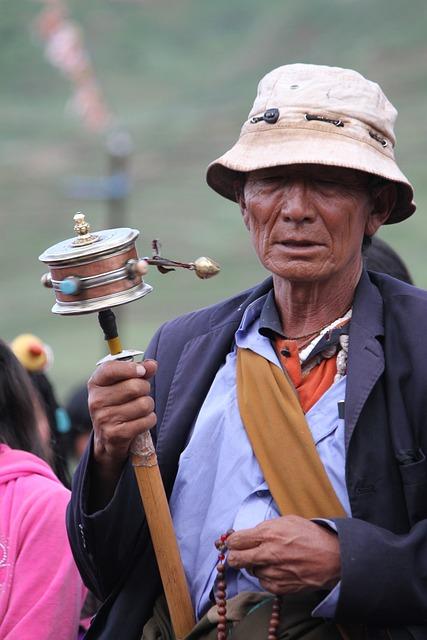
307, 222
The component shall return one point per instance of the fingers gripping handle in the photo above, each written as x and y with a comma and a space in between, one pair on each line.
142, 448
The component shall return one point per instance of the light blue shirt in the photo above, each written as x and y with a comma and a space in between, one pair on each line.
220, 485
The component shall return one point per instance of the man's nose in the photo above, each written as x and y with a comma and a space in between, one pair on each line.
297, 204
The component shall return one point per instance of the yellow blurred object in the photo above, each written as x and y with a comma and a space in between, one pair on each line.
30, 351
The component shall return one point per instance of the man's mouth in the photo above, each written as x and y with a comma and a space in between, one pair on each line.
303, 243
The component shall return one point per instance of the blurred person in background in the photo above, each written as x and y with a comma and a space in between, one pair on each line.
41, 592
81, 424
293, 413
36, 357
380, 256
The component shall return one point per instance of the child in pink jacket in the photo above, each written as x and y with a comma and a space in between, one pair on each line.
41, 592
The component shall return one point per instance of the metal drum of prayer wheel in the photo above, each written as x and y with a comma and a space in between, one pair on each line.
93, 272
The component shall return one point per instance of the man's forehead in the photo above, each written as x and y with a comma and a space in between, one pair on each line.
309, 171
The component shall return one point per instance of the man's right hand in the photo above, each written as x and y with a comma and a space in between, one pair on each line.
121, 408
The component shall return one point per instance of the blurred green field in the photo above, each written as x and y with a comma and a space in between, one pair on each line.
180, 76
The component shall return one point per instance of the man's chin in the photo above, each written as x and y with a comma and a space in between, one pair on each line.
300, 273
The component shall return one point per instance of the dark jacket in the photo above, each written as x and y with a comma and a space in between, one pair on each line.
384, 544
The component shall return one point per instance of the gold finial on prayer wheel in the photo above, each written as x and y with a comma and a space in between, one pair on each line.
82, 228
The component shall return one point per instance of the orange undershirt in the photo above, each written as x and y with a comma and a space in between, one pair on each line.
312, 385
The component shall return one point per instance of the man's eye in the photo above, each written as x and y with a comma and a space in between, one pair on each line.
265, 183
329, 183
272, 180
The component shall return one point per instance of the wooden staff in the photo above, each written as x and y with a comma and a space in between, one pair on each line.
156, 507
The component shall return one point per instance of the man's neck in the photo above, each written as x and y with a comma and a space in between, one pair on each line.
306, 307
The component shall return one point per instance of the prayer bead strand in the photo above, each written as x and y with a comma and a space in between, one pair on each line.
220, 590
274, 619
221, 595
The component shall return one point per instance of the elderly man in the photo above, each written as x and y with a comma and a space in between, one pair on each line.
292, 413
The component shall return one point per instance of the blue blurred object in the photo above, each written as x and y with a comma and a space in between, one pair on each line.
114, 187
63, 422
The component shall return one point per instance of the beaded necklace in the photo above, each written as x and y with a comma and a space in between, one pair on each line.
327, 327
221, 595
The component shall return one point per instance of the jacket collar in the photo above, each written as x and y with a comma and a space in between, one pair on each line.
368, 307
365, 354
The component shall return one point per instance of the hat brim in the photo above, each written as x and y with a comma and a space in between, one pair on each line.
264, 149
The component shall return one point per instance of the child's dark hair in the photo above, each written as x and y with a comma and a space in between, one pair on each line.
49, 403
18, 422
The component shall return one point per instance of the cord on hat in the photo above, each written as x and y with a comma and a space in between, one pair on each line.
271, 116
311, 116
378, 138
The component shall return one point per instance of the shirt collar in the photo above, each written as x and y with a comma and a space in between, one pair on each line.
269, 321
270, 326
252, 312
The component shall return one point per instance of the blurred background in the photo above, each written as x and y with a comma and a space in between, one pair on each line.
115, 107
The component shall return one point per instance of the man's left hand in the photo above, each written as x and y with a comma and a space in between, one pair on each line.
287, 555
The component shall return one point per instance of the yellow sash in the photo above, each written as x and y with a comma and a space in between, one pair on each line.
282, 441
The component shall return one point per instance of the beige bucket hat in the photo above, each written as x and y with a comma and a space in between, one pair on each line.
312, 114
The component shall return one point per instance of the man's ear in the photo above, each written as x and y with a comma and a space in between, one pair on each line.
239, 191
384, 200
